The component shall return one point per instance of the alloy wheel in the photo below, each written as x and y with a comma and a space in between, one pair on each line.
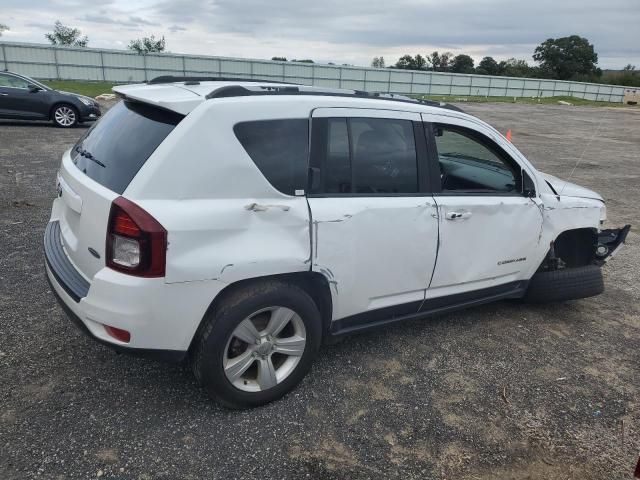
65, 116
264, 349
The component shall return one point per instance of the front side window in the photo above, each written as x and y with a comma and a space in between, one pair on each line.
280, 150
13, 82
470, 163
364, 156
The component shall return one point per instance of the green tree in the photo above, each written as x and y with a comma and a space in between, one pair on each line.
279, 59
566, 57
488, 66
628, 76
66, 36
147, 45
407, 62
513, 67
377, 62
3, 28
440, 62
307, 60
462, 64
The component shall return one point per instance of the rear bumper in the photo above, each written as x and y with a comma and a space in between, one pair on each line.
74, 284
161, 318
173, 356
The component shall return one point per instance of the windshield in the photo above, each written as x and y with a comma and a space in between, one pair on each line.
118, 145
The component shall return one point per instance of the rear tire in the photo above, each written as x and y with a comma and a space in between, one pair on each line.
65, 116
241, 357
565, 284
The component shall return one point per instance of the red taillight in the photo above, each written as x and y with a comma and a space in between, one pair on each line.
136, 242
118, 333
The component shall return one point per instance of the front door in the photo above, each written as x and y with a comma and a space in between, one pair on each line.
374, 224
490, 224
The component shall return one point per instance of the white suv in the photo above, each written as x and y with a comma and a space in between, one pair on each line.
238, 224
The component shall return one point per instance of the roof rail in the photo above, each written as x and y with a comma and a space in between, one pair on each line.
241, 91
196, 80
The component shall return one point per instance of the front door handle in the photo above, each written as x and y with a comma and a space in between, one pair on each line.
3, 94
457, 215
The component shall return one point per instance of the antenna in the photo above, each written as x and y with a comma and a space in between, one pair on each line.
582, 154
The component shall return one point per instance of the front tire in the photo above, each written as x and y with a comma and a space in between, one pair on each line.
565, 284
65, 116
258, 344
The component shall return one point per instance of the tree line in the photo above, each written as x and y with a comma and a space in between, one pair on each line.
565, 58
72, 37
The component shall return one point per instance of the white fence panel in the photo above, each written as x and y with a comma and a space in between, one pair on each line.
49, 62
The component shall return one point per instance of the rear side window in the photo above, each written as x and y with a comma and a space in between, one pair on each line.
14, 82
116, 147
365, 156
280, 149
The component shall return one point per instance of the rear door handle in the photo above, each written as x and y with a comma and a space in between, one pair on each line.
3, 94
458, 215
257, 207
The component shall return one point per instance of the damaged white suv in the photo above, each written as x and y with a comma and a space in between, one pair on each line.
237, 224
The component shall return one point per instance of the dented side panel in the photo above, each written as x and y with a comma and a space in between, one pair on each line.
494, 241
225, 221
374, 251
563, 213
234, 239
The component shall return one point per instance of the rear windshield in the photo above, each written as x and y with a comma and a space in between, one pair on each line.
116, 147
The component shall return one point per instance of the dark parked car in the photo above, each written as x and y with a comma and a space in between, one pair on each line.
22, 98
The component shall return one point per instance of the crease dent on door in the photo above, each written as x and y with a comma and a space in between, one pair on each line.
478, 249
365, 251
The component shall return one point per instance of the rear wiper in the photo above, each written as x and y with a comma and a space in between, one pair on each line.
87, 154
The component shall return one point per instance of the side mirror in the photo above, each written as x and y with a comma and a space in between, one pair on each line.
34, 88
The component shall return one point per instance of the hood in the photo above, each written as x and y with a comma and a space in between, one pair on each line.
569, 189
77, 95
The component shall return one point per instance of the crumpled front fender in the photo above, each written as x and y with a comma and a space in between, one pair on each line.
610, 242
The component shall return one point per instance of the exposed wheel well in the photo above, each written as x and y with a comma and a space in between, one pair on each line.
313, 283
571, 249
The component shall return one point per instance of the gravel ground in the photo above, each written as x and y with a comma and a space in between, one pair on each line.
500, 391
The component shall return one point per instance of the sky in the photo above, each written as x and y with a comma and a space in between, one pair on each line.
339, 31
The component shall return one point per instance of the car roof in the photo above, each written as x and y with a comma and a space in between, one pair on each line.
186, 94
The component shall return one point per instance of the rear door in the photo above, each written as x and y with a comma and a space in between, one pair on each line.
17, 101
97, 170
490, 220
374, 222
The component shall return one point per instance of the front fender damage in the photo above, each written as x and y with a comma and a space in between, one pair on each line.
610, 242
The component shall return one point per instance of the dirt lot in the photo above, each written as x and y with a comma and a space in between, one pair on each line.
501, 391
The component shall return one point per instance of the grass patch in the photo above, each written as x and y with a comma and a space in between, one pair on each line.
90, 89
525, 100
